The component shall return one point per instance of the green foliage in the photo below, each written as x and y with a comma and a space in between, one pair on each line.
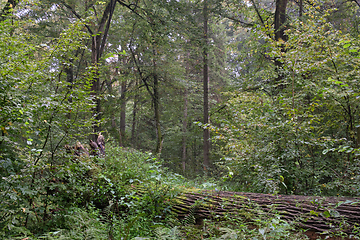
299, 135
265, 228
42, 110
292, 129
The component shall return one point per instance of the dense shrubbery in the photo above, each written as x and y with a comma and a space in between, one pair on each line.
44, 190
88, 197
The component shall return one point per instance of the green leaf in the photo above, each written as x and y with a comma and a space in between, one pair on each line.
122, 53
347, 45
312, 212
326, 214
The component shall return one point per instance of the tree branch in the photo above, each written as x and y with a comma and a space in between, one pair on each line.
112, 5
77, 15
132, 9
245, 24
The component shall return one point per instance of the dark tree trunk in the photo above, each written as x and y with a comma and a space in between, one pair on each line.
280, 19
69, 70
279, 27
206, 147
185, 117
123, 111
133, 128
184, 130
156, 101
157, 115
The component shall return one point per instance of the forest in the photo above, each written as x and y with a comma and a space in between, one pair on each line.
179, 119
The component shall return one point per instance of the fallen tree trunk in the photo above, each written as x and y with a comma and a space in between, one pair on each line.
322, 214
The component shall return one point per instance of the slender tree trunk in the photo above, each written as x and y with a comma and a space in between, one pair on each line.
156, 100
95, 87
123, 110
184, 139
206, 147
133, 129
157, 115
69, 70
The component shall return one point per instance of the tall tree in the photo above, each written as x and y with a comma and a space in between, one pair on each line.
206, 88
99, 35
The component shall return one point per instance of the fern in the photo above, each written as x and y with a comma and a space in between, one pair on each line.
163, 233
107, 212
190, 218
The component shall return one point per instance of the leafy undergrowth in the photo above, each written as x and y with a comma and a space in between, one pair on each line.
101, 198
231, 229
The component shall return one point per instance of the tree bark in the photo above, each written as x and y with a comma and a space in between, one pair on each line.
279, 22
156, 101
280, 19
185, 116
206, 147
333, 214
157, 113
133, 128
184, 130
123, 111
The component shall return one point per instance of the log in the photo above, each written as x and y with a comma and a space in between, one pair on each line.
320, 214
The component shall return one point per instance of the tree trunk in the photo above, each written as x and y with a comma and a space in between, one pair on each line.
185, 116
123, 111
206, 147
157, 115
184, 130
279, 21
69, 70
156, 101
334, 214
133, 128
